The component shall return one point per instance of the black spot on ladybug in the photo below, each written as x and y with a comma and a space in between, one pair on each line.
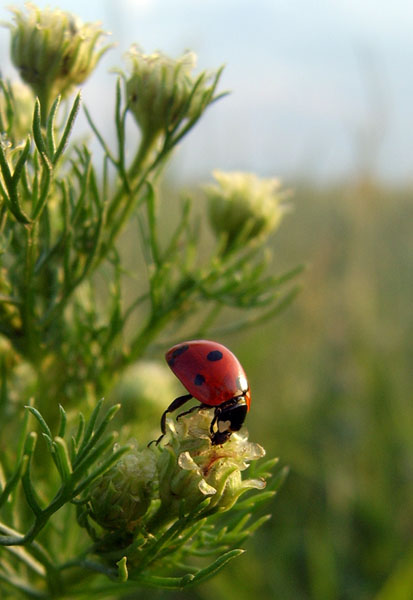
214, 355
199, 379
177, 352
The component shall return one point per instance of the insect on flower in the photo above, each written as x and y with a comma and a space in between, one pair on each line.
213, 375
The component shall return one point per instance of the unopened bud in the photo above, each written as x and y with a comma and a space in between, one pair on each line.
122, 495
161, 91
53, 50
244, 206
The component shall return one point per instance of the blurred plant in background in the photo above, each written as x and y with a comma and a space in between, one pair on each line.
341, 402
71, 333
244, 207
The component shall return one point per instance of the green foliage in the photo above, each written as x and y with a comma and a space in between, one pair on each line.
70, 326
52, 559
60, 225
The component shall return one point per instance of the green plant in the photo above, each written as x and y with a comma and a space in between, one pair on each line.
65, 322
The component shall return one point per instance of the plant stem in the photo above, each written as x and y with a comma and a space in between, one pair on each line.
146, 146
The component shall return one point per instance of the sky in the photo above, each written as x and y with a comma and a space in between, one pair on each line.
320, 89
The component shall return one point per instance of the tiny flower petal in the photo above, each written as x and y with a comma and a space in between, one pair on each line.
206, 489
185, 461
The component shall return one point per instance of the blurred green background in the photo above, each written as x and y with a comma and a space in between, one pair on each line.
332, 377
331, 383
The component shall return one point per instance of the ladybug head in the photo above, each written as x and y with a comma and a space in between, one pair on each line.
228, 418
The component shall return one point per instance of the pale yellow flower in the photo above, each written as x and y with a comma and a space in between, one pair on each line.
161, 92
53, 50
244, 206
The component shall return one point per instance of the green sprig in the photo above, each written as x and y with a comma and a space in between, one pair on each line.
73, 317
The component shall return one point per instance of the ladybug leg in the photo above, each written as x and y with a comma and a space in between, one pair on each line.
193, 409
187, 412
177, 403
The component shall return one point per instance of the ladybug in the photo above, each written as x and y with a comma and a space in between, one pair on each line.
213, 375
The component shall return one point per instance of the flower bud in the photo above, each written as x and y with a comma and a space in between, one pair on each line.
53, 50
143, 390
161, 92
244, 206
191, 469
123, 494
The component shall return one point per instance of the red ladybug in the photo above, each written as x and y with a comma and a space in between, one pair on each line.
215, 377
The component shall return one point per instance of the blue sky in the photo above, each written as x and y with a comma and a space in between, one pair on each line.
320, 88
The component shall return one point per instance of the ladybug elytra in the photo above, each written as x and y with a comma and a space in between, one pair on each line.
213, 375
